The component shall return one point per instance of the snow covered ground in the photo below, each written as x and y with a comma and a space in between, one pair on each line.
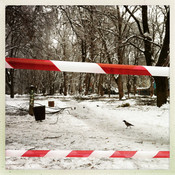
91, 123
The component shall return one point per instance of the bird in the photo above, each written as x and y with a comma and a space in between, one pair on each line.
127, 124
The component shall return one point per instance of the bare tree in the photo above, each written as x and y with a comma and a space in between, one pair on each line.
161, 83
104, 34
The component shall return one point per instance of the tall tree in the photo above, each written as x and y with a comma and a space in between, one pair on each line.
161, 82
18, 26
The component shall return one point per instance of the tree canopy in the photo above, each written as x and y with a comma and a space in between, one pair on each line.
102, 34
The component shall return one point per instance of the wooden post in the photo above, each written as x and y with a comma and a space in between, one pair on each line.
51, 103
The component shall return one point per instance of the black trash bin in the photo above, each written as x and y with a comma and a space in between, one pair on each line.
39, 112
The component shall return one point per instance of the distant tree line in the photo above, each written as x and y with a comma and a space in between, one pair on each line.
137, 35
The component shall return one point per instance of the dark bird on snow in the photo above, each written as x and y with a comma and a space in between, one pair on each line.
127, 124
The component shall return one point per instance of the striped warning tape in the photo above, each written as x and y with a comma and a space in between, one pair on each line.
84, 67
87, 153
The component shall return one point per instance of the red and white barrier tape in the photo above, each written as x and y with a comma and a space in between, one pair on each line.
84, 67
87, 153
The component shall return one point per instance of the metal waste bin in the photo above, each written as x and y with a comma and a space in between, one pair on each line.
39, 112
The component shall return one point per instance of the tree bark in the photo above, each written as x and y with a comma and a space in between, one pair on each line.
65, 84
109, 86
120, 86
151, 86
100, 85
12, 94
162, 82
10, 76
120, 54
80, 84
147, 43
87, 81
161, 90
134, 85
128, 86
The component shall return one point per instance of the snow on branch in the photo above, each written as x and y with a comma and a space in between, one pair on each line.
146, 37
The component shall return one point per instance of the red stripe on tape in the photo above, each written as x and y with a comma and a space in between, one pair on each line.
124, 69
162, 154
86, 153
35, 153
123, 154
23, 63
80, 153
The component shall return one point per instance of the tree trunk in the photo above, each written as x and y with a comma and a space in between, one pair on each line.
61, 89
51, 89
65, 84
161, 90
120, 55
162, 82
120, 86
88, 80
128, 86
83, 50
80, 84
151, 86
147, 43
109, 86
51, 84
100, 86
134, 85
12, 83
10, 74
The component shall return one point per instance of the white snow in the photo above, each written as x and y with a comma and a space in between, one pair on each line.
90, 124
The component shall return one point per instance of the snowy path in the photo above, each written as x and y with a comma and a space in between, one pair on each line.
90, 125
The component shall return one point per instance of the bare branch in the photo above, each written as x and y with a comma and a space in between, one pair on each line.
7, 50
70, 21
127, 22
137, 47
141, 38
136, 20
165, 47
